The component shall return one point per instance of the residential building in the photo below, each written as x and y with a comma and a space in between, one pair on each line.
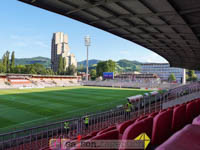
60, 47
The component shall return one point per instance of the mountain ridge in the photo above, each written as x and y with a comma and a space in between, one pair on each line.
122, 64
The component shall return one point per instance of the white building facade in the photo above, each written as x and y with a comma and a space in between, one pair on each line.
163, 70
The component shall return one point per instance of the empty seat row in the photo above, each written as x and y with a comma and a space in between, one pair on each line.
159, 126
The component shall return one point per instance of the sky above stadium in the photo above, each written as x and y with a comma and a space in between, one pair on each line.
28, 30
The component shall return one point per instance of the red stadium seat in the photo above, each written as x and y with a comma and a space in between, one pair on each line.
106, 130
153, 114
110, 135
142, 126
178, 119
141, 118
161, 127
185, 139
122, 127
198, 106
94, 133
190, 111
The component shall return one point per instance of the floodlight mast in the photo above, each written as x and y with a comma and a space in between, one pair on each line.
87, 44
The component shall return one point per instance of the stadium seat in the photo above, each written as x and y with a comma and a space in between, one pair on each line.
161, 127
163, 110
142, 126
110, 135
178, 119
142, 117
121, 127
94, 133
153, 114
198, 107
87, 137
106, 130
196, 121
185, 139
190, 111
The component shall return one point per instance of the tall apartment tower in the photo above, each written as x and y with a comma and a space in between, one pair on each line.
60, 47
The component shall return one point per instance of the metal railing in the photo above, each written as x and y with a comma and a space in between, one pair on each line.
38, 137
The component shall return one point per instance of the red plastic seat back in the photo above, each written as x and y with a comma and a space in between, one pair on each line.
198, 107
161, 127
142, 126
122, 127
178, 119
141, 118
190, 111
153, 114
106, 130
110, 135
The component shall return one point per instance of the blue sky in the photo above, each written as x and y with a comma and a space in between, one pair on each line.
28, 30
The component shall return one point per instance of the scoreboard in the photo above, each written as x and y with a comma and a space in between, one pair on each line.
108, 75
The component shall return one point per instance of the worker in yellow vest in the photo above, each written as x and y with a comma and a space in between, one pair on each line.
86, 122
128, 108
66, 127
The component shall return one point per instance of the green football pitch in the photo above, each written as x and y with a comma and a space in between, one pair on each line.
25, 108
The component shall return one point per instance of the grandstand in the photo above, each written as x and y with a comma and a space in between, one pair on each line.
169, 118
36, 81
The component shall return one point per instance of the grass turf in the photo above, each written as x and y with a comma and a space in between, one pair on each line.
29, 107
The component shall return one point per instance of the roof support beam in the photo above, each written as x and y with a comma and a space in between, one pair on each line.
147, 25
172, 39
194, 25
87, 6
135, 16
182, 45
157, 33
185, 12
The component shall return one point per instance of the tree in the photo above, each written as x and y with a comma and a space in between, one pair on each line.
64, 65
49, 72
172, 77
12, 65
2, 68
81, 68
93, 74
3, 64
191, 76
60, 65
71, 70
105, 66
20, 69
7, 61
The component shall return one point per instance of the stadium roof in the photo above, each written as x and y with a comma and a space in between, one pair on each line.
171, 28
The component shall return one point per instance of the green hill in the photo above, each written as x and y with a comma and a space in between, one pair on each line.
41, 60
122, 65
127, 65
91, 62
